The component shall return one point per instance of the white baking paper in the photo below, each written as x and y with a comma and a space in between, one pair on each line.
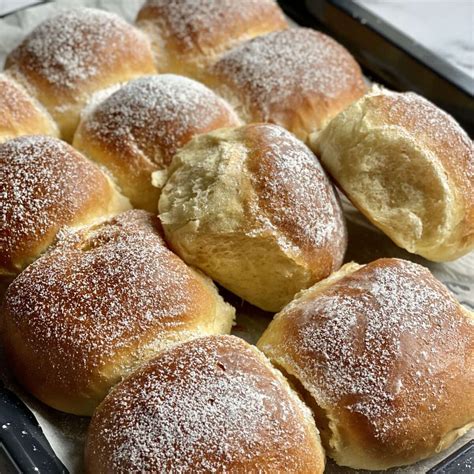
66, 433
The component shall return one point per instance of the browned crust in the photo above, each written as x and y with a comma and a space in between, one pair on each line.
100, 302
70, 56
134, 133
196, 32
46, 185
252, 207
21, 114
286, 175
297, 78
280, 437
418, 381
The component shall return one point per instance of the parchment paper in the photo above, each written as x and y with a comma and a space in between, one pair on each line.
66, 433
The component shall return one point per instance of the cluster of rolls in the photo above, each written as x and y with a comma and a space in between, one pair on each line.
112, 311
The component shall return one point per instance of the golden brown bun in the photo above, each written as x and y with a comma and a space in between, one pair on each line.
139, 128
21, 114
253, 209
408, 167
384, 354
187, 35
45, 185
101, 302
214, 404
297, 78
67, 58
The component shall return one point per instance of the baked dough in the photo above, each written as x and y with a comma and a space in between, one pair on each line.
214, 404
21, 114
99, 304
138, 129
253, 209
383, 354
297, 78
68, 57
408, 167
188, 35
46, 185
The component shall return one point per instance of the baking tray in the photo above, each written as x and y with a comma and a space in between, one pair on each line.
35, 438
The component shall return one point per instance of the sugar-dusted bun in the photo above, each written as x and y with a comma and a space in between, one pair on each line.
67, 58
214, 404
46, 185
384, 355
20, 113
97, 305
408, 167
187, 35
139, 128
253, 209
297, 78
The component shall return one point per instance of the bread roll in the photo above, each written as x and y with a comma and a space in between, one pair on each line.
214, 404
139, 128
384, 354
408, 167
253, 209
21, 114
67, 58
297, 78
45, 185
187, 35
100, 303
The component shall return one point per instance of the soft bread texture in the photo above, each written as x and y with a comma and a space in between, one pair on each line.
21, 114
100, 303
188, 35
70, 56
297, 78
46, 185
138, 129
253, 209
214, 404
408, 167
384, 355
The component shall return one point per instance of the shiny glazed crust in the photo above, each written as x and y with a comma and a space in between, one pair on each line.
47, 185
21, 114
187, 35
252, 208
70, 56
101, 302
384, 354
214, 404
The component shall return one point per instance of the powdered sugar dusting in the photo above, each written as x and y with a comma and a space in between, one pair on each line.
206, 406
11, 100
19, 111
199, 24
419, 114
436, 128
384, 343
98, 97
295, 193
157, 115
99, 291
73, 46
293, 64
44, 184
